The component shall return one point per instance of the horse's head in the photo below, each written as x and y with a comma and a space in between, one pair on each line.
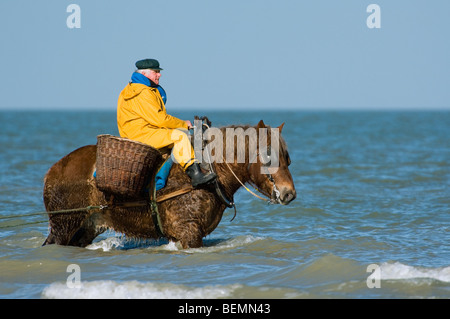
269, 167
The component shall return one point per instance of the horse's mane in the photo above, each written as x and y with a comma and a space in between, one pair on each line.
245, 127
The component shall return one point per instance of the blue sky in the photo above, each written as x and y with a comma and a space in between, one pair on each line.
234, 54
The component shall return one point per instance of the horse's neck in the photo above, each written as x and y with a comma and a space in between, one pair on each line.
231, 176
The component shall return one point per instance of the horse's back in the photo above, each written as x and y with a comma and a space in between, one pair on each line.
70, 175
74, 165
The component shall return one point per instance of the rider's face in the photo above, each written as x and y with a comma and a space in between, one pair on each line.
153, 75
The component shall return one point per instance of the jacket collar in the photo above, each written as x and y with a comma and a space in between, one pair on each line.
140, 78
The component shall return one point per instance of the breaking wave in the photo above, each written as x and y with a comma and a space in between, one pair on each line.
399, 271
134, 290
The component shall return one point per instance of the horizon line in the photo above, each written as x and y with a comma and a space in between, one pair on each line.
238, 109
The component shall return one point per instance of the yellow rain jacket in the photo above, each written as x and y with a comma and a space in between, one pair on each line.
142, 116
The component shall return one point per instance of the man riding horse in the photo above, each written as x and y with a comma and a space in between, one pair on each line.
79, 210
142, 116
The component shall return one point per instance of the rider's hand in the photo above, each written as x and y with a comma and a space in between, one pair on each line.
189, 124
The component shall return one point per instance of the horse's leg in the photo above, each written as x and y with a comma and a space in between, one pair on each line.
180, 223
84, 237
78, 228
50, 240
190, 217
68, 185
192, 237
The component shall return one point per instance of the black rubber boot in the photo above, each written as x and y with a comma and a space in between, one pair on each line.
198, 177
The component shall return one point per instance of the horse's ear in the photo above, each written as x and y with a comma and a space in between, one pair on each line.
261, 124
281, 127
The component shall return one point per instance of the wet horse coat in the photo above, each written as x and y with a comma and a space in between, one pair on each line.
187, 218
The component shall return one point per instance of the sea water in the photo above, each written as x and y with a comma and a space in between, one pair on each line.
371, 219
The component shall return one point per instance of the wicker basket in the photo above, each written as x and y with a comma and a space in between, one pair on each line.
124, 167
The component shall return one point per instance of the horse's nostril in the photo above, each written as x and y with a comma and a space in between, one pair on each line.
294, 195
288, 197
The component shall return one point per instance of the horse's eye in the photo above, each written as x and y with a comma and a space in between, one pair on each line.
265, 158
270, 158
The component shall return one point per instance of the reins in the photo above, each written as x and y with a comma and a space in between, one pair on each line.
243, 185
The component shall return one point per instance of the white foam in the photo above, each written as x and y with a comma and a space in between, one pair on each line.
172, 246
107, 244
112, 243
135, 290
122, 242
399, 271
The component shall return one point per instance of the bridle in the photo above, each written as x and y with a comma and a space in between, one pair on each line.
269, 176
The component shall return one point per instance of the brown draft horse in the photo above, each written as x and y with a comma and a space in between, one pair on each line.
69, 184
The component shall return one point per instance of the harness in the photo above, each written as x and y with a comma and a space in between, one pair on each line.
274, 190
271, 179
